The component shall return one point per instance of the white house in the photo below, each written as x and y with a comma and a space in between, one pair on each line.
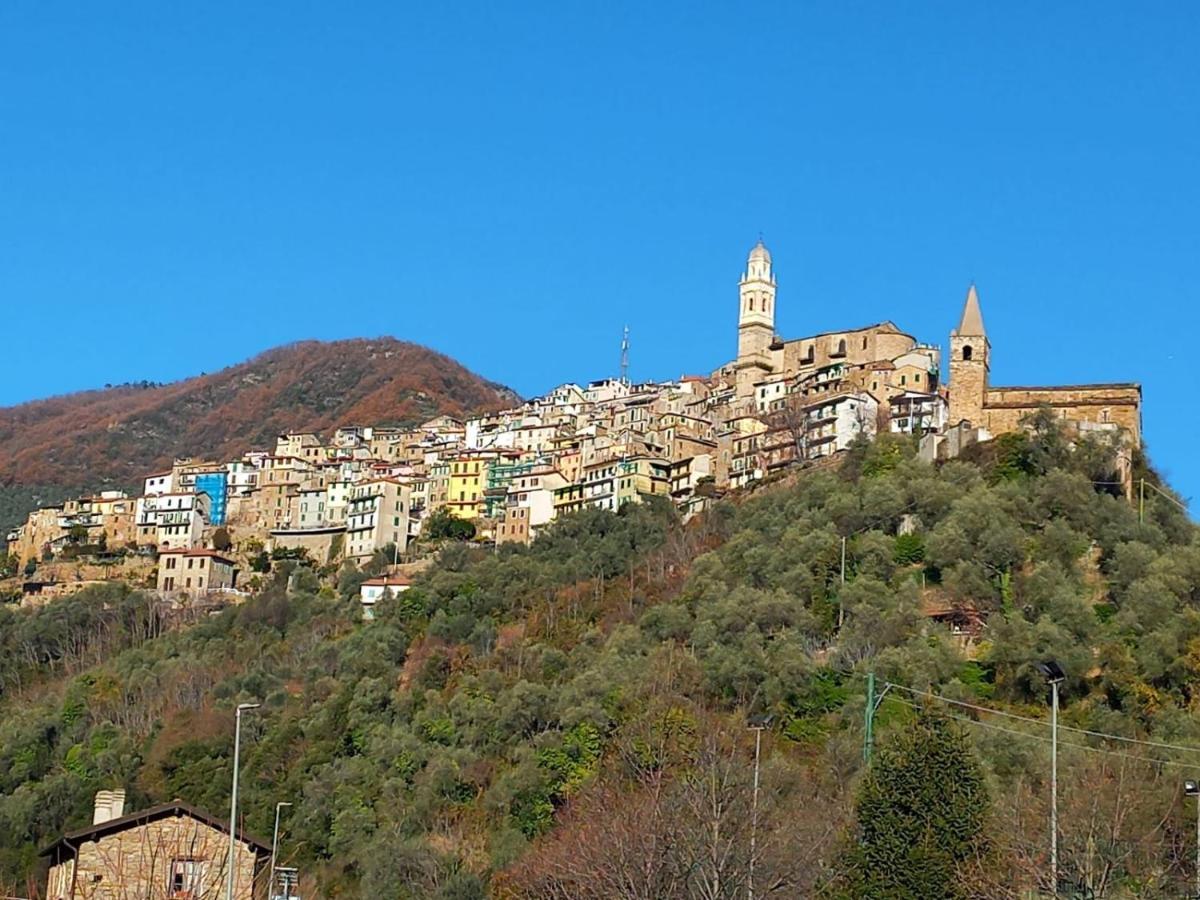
375, 589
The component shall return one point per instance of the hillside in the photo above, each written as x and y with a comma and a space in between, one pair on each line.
570, 719
116, 435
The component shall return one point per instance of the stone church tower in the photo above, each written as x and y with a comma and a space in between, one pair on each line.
756, 321
970, 355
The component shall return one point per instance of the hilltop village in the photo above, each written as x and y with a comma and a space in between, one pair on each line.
780, 403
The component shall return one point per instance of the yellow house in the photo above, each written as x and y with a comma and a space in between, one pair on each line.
468, 480
468, 473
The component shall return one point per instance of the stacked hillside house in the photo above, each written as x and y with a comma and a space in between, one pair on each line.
779, 403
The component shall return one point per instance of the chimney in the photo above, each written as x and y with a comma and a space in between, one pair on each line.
109, 805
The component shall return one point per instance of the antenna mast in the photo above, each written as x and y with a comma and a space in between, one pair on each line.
625, 356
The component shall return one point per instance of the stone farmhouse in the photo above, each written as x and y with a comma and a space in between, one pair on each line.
167, 852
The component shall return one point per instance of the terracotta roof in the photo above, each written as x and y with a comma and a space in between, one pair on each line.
1116, 385
196, 551
177, 808
885, 327
387, 580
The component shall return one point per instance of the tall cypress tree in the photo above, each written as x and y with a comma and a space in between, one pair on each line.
920, 815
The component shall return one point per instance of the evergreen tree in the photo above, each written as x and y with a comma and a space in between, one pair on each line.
920, 814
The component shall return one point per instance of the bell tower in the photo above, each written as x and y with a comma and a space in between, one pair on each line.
756, 320
970, 358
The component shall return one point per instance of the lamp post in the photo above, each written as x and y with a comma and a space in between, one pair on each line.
237, 749
1192, 789
275, 843
756, 724
1054, 675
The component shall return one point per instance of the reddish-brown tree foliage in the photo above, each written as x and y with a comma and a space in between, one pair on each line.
118, 435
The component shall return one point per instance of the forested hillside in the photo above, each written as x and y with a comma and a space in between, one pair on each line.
115, 437
572, 719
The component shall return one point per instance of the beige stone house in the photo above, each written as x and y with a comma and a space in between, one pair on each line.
195, 571
167, 852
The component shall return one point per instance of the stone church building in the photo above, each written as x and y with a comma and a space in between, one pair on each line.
762, 355
1000, 409
885, 361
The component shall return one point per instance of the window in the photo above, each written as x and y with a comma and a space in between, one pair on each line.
967, 352
187, 878
864, 342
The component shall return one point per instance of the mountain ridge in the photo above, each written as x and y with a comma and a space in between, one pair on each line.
115, 435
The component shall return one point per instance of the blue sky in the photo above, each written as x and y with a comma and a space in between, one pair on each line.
182, 186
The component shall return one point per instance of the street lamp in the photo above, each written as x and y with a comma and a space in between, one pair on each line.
1192, 789
1054, 675
237, 749
275, 842
755, 724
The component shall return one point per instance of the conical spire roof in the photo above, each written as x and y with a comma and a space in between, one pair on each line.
972, 317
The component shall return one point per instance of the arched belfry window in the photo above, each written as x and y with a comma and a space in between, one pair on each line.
751, 304
842, 346
967, 351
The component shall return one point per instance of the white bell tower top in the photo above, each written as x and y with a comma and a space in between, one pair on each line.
757, 290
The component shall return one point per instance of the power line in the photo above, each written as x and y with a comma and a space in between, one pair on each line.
998, 712
1159, 490
1044, 739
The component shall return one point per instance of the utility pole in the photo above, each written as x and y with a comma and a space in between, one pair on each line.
869, 719
275, 847
754, 811
1055, 675
756, 724
1192, 789
1054, 786
237, 749
841, 590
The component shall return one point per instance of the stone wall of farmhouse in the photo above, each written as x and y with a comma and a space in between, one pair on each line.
137, 863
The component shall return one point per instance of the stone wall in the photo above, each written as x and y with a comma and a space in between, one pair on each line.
136, 862
1100, 404
883, 342
318, 542
968, 379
